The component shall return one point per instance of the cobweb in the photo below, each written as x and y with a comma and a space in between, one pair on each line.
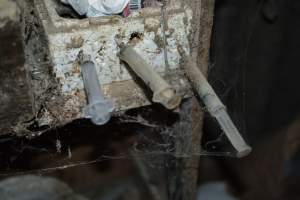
150, 133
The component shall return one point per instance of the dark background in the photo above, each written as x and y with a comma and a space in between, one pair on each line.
255, 63
255, 70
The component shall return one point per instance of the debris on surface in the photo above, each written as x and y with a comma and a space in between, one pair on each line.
97, 8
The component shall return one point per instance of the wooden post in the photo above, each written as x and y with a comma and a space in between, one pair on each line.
183, 171
15, 99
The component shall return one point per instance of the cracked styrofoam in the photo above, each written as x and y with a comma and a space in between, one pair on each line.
96, 37
100, 44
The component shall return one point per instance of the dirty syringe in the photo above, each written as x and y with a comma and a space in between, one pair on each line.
99, 108
215, 107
